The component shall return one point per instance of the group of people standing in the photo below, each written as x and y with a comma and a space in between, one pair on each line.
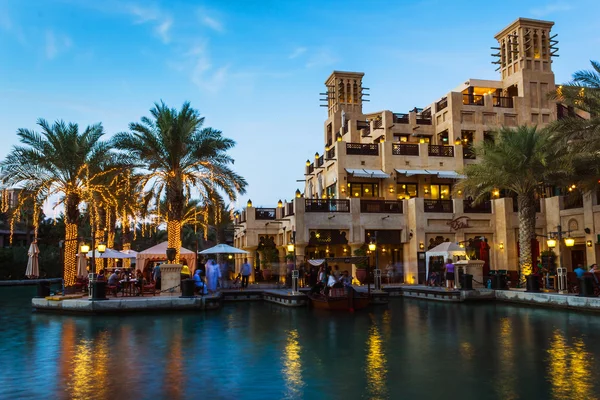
330, 277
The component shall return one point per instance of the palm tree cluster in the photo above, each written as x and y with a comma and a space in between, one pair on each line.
524, 161
167, 168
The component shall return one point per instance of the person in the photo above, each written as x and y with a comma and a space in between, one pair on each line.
156, 276
199, 284
185, 271
140, 281
449, 268
579, 271
213, 273
246, 271
101, 275
321, 276
336, 272
390, 270
114, 279
313, 275
224, 275
346, 279
331, 280
594, 268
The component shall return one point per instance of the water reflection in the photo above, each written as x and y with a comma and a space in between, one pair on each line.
292, 366
376, 365
570, 368
506, 382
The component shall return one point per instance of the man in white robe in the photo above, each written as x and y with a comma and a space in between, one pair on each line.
213, 273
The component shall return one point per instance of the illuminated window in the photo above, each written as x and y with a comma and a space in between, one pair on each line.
364, 189
440, 192
407, 190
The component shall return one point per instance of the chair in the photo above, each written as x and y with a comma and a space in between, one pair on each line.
572, 282
149, 288
513, 278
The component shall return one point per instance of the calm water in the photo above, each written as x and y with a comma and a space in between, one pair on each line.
411, 349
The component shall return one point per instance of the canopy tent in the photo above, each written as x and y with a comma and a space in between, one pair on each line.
108, 253
33, 265
159, 253
223, 248
446, 250
129, 253
345, 260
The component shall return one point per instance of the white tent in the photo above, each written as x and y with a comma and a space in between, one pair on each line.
446, 250
109, 253
129, 253
223, 249
159, 253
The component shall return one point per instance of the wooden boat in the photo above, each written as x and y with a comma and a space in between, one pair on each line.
339, 302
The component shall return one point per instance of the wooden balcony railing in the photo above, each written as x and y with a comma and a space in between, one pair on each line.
473, 99
243, 216
438, 206
405, 149
505, 102
481, 208
400, 118
289, 209
311, 168
440, 105
327, 205
378, 123
330, 153
362, 149
320, 162
381, 206
363, 125
441, 151
265, 213
423, 121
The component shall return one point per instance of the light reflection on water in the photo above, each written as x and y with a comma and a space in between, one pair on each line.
411, 349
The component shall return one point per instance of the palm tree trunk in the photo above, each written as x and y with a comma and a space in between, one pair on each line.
70, 253
175, 203
526, 234
125, 239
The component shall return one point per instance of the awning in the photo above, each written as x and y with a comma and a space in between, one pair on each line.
439, 174
368, 173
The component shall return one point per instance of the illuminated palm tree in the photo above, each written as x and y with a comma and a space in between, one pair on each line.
179, 158
518, 161
58, 160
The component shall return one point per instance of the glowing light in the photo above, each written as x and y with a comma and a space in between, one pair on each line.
249, 204
280, 203
174, 237
292, 365
298, 194
84, 248
290, 247
376, 365
70, 254
569, 242
501, 245
551, 243
372, 246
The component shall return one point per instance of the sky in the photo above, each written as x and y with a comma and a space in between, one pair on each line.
254, 69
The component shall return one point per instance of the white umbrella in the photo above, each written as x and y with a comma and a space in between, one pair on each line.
82, 265
223, 249
109, 253
33, 265
129, 253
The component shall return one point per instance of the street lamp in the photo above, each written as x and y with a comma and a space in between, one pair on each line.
291, 248
556, 239
376, 271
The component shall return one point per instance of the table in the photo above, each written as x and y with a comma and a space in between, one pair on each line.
128, 287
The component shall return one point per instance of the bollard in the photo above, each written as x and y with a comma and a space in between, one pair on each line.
533, 283
187, 288
43, 289
586, 286
98, 290
466, 282
295, 275
377, 277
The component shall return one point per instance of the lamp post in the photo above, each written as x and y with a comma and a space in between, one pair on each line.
291, 248
556, 239
84, 248
373, 248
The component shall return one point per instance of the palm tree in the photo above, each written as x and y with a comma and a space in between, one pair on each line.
58, 160
518, 161
577, 132
178, 156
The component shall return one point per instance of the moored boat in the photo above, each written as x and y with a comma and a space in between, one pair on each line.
339, 303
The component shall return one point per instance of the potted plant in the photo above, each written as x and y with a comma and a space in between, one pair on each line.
268, 257
361, 268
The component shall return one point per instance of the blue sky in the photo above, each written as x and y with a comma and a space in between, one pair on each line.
255, 69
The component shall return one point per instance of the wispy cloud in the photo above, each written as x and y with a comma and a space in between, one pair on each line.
322, 58
7, 25
152, 15
208, 19
550, 8
298, 51
56, 43
203, 75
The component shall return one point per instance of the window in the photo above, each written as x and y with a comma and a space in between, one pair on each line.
364, 189
440, 192
406, 190
330, 191
443, 137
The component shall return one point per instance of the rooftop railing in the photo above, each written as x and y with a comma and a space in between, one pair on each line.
423, 120
505, 102
481, 208
311, 168
362, 149
405, 149
572, 201
438, 206
473, 99
381, 206
320, 161
330, 153
400, 118
326, 205
440, 105
441, 151
289, 209
378, 123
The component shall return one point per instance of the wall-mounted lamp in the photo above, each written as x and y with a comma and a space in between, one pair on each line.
501, 245
308, 163
551, 243
339, 137
317, 155
280, 203
569, 242
230, 256
290, 247
588, 243
421, 246
249, 204
457, 141
298, 194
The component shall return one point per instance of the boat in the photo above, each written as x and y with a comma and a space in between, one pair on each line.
338, 302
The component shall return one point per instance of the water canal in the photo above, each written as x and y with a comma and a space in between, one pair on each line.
410, 349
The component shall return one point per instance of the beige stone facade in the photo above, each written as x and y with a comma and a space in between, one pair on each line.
391, 174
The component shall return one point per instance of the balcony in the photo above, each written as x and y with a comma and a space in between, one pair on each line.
310, 168
381, 206
438, 206
378, 124
363, 125
572, 201
265, 213
330, 153
481, 208
423, 120
441, 151
473, 100
289, 209
243, 216
326, 205
440, 105
320, 161
504, 102
400, 118
362, 149
405, 149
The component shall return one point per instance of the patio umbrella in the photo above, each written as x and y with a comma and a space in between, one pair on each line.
223, 249
129, 253
82, 265
109, 253
33, 266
